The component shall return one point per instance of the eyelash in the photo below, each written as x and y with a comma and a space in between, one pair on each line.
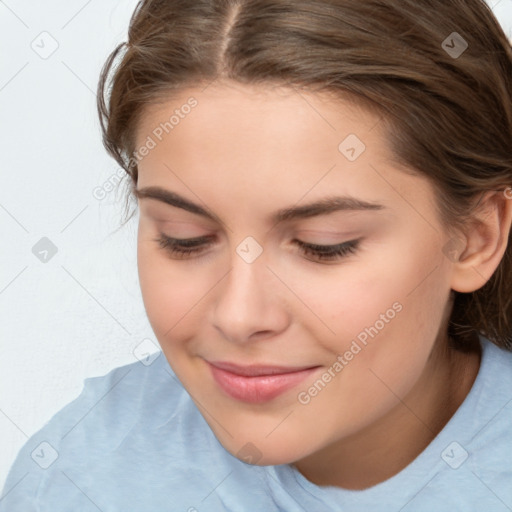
183, 248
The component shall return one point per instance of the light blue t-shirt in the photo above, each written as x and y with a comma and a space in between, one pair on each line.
134, 441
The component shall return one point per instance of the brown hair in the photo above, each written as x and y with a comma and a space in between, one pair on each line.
448, 116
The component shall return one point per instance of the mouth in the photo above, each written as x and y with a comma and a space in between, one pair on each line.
257, 384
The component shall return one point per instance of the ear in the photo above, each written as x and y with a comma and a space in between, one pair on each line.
483, 242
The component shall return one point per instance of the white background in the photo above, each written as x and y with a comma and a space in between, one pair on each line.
80, 313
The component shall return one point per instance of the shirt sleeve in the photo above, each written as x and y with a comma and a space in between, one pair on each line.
41, 477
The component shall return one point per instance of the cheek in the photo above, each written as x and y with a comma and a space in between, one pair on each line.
363, 291
396, 317
391, 306
382, 360
171, 293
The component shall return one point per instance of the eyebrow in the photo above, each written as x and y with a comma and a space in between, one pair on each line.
322, 207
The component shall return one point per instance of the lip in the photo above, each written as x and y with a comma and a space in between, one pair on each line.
257, 384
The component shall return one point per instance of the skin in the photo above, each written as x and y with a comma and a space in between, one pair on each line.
244, 152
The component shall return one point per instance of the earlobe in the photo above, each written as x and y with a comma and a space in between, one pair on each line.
486, 239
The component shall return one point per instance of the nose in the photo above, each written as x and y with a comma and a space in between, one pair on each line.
249, 304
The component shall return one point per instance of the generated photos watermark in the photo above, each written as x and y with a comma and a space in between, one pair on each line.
305, 397
165, 127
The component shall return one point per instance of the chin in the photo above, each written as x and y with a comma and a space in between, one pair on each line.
264, 452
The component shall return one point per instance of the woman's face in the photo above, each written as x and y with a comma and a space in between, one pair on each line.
346, 334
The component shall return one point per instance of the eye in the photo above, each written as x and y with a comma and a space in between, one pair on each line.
183, 248
328, 252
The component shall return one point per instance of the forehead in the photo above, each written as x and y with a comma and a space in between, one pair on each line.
272, 142
228, 108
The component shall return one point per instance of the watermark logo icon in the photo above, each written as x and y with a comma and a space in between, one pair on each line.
454, 45
146, 352
352, 147
454, 455
44, 250
44, 455
249, 453
453, 248
45, 45
249, 249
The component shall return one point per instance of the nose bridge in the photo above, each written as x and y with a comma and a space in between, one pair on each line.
245, 283
246, 304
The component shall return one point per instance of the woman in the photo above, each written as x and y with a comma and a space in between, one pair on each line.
324, 257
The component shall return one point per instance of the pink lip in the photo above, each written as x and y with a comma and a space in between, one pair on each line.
257, 384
